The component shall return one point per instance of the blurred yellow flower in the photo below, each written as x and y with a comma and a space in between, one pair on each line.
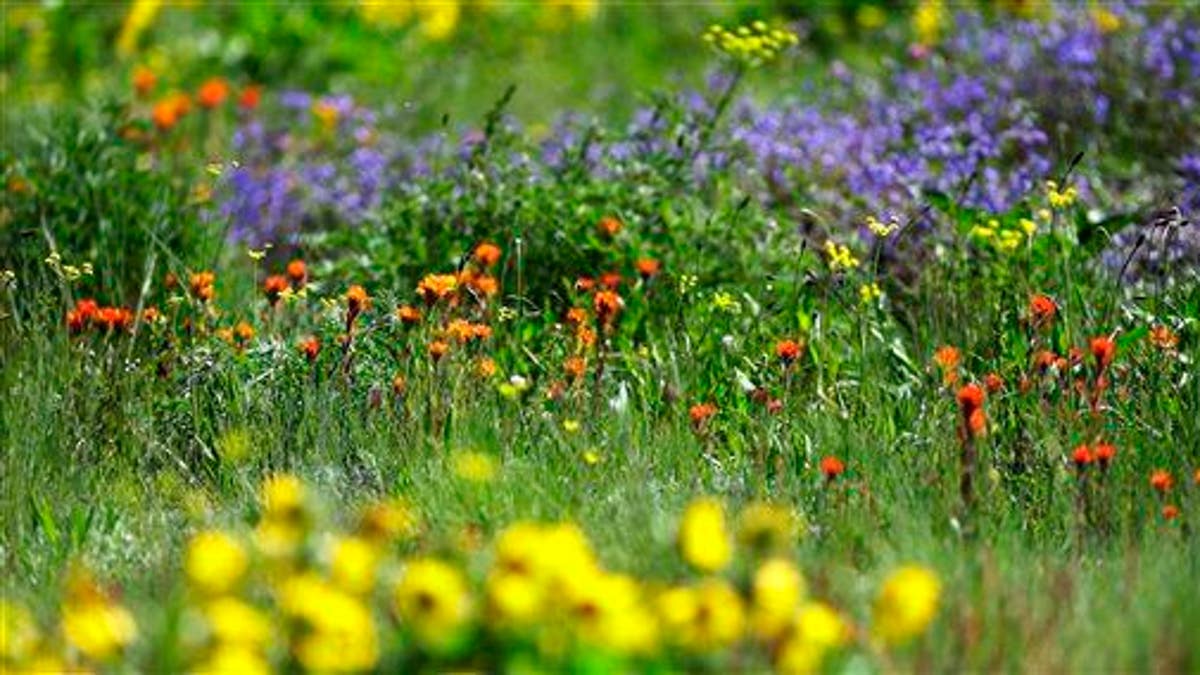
433, 600
705, 618
215, 562
778, 589
703, 538
906, 604
474, 467
928, 20
233, 622
352, 565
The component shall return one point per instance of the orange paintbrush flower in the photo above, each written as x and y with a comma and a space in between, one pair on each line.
1170, 512
1103, 350
310, 348
1042, 310
788, 351
250, 97
1105, 452
213, 92
438, 349
273, 287
832, 467
408, 315
1082, 457
357, 301
144, 80
201, 285
435, 287
648, 267
487, 254
297, 271
701, 413
609, 226
947, 359
607, 305
575, 367
1162, 480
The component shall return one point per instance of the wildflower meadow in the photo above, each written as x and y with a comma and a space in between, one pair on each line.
573, 336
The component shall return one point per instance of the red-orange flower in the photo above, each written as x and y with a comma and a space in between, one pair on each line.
487, 254
609, 226
832, 467
1196, 477
408, 315
577, 316
250, 97
113, 318
310, 348
1105, 453
993, 383
213, 92
244, 332
144, 80
947, 359
357, 300
1161, 480
297, 271
575, 367
82, 315
788, 351
435, 287
201, 285
438, 349
1082, 457
607, 305
1103, 350
164, 114
1170, 512
970, 398
648, 267
1163, 338
1042, 310
585, 284
611, 280
700, 413
273, 287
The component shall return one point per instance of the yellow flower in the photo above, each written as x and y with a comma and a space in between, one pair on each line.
606, 611
514, 600
18, 633
353, 565
778, 589
233, 622
141, 14
592, 457
725, 302
752, 45
818, 628
1060, 198
1105, 19
92, 622
703, 539
339, 630
763, 526
571, 426
840, 257
282, 497
869, 293
705, 618
233, 658
386, 520
475, 467
906, 604
433, 600
880, 229
215, 562
1027, 226
928, 21
437, 20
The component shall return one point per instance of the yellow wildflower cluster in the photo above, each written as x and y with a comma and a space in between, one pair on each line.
350, 601
841, 258
1060, 197
753, 45
869, 293
1005, 238
881, 229
928, 20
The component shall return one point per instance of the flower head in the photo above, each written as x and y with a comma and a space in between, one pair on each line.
213, 93
832, 467
906, 604
1162, 480
703, 538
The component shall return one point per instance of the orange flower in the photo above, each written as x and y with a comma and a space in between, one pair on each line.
310, 348
151, 314
213, 92
970, 398
648, 267
484, 284
700, 414
144, 80
357, 300
1105, 453
947, 359
1170, 512
585, 284
273, 287
575, 367
1162, 480
201, 285
1045, 360
170, 281
438, 349
1042, 310
611, 280
1082, 457
788, 351
607, 304
487, 254
250, 97
297, 271
435, 287
977, 422
399, 385
244, 332
113, 318
609, 226
164, 114
1196, 477
993, 383
1103, 350
1163, 338
577, 316
79, 318
586, 336
485, 367
408, 315
832, 467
